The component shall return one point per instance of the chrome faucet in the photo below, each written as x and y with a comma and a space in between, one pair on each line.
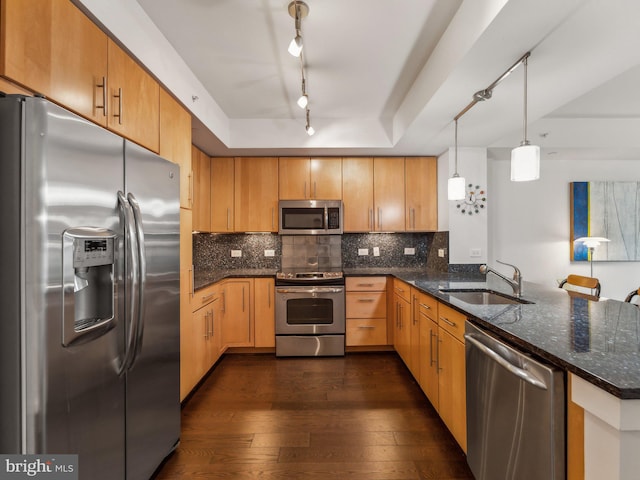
516, 283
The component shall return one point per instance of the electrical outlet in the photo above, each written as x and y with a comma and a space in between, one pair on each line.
442, 252
269, 253
363, 251
236, 253
376, 251
475, 252
409, 251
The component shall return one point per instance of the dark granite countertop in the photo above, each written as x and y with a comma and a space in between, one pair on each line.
205, 278
598, 341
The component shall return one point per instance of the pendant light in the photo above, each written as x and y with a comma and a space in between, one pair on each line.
525, 159
456, 184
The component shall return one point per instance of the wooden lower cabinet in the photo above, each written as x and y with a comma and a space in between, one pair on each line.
236, 313
366, 311
264, 312
432, 346
452, 403
200, 338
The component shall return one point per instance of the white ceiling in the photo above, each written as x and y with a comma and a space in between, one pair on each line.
386, 77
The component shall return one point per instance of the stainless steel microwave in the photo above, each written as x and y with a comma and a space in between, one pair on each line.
310, 217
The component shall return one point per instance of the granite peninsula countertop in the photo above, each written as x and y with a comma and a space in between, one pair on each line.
598, 341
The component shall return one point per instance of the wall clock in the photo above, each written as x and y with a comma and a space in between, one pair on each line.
474, 201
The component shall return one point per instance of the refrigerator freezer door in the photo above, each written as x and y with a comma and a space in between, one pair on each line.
72, 399
153, 397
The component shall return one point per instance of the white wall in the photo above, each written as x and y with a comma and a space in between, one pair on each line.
529, 222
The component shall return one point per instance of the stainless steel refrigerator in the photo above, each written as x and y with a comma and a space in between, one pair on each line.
89, 289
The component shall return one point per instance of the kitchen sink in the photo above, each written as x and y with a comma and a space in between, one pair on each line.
482, 296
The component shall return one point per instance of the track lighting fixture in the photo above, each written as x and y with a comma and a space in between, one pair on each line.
525, 159
298, 10
304, 99
456, 184
309, 128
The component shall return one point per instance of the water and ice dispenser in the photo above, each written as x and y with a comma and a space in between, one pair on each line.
89, 283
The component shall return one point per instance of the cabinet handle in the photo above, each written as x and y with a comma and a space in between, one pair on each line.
371, 222
224, 301
365, 285
379, 218
368, 327
366, 300
431, 335
448, 322
425, 306
211, 331
103, 86
206, 325
315, 190
269, 295
191, 188
243, 299
193, 282
305, 190
206, 298
228, 217
119, 97
273, 225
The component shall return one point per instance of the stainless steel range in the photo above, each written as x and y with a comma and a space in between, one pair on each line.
310, 313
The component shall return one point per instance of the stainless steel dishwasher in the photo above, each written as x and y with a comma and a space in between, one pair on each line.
515, 412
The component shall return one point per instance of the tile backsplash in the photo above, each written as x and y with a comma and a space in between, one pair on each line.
213, 251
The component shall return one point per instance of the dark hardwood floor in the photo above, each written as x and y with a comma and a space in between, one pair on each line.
358, 417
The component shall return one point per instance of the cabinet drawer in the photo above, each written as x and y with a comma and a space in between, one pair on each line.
428, 306
366, 332
452, 321
366, 284
366, 305
204, 296
402, 289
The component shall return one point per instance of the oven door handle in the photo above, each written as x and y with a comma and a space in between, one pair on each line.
310, 290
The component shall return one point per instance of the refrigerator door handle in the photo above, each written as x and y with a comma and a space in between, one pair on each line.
142, 275
131, 240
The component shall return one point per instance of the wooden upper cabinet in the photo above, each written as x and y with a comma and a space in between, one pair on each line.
421, 194
222, 189
134, 100
303, 178
388, 194
54, 49
201, 165
357, 194
256, 194
175, 142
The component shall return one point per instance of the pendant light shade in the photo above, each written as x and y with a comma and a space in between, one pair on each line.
456, 184
295, 47
456, 187
525, 159
525, 163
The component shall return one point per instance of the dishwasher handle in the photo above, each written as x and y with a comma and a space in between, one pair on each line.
517, 371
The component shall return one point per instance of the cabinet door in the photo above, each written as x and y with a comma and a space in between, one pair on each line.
326, 178
293, 178
54, 49
414, 336
388, 194
402, 332
236, 317
429, 358
200, 334
134, 105
264, 312
187, 354
451, 386
222, 213
421, 194
201, 165
175, 142
256, 194
357, 194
